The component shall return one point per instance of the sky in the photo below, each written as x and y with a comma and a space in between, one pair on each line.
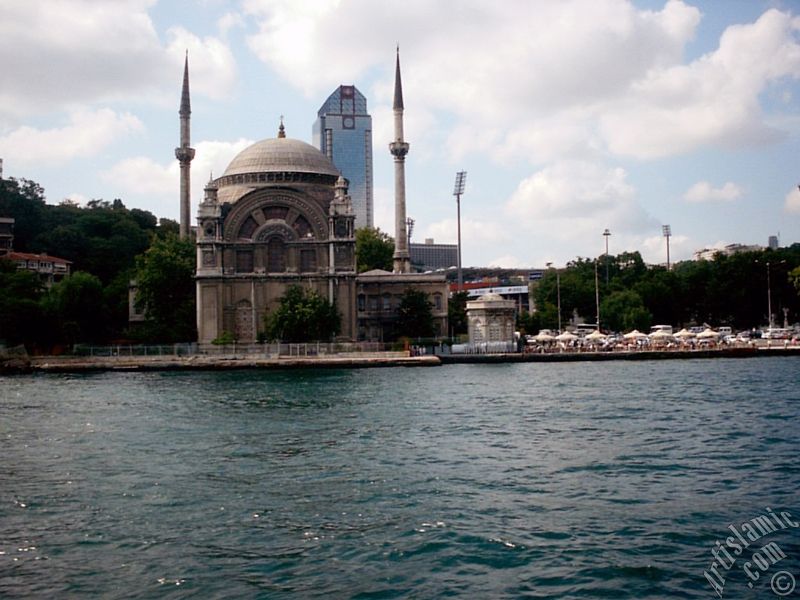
570, 117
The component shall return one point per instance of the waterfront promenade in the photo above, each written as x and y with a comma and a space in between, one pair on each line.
223, 362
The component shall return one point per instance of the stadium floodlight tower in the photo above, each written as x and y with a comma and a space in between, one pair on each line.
458, 189
667, 231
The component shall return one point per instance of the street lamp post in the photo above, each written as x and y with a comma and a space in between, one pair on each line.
667, 231
597, 296
769, 299
458, 189
606, 234
768, 264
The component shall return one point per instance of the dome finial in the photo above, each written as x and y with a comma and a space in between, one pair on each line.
281, 129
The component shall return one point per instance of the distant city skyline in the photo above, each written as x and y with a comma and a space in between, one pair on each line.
571, 118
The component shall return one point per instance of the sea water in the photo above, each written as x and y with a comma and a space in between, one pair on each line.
567, 480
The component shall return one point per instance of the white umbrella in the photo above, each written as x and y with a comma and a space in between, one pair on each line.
634, 335
661, 335
543, 337
566, 337
684, 333
595, 336
707, 334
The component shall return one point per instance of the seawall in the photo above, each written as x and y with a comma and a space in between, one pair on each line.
619, 355
50, 364
61, 364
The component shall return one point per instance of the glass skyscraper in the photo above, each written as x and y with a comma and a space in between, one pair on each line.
343, 132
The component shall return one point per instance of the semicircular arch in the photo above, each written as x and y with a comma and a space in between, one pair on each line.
252, 213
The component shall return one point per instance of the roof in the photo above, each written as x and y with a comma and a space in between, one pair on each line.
281, 155
491, 297
39, 257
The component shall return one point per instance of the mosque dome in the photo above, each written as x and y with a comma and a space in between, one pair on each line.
283, 155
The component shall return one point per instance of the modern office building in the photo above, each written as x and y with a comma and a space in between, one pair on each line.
430, 256
343, 133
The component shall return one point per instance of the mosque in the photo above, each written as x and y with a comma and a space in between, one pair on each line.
280, 216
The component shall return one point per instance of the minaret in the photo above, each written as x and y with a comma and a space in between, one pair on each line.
399, 149
184, 153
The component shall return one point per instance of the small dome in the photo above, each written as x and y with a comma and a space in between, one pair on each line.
492, 297
281, 155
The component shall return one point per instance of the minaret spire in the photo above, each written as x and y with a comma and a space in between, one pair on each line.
399, 149
184, 153
398, 84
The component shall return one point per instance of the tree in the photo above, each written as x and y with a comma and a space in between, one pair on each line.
415, 317
528, 323
23, 201
21, 316
77, 306
457, 313
166, 289
623, 311
794, 275
374, 249
303, 316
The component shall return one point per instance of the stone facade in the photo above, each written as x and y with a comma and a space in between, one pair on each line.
491, 319
378, 299
279, 216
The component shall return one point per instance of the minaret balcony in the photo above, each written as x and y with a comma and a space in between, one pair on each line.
398, 149
184, 153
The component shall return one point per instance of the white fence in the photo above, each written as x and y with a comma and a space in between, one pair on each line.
256, 350
484, 348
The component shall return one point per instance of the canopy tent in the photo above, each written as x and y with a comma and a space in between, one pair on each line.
707, 334
635, 335
595, 336
543, 337
661, 336
566, 337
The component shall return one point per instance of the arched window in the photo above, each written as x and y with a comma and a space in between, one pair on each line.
276, 255
247, 228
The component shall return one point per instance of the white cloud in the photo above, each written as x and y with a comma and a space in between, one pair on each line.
227, 22
703, 191
713, 100
154, 186
87, 134
536, 80
70, 53
383, 209
508, 261
211, 63
577, 194
792, 202
654, 249
481, 232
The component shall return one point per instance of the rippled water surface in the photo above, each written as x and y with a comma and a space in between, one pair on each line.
568, 480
